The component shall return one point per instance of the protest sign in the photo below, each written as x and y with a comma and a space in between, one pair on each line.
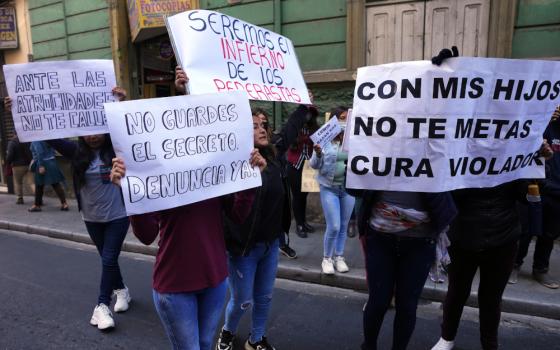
222, 53
184, 149
327, 132
472, 122
309, 181
52, 100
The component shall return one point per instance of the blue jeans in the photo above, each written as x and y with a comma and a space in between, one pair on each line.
394, 265
108, 238
337, 207
190, 319
251, 282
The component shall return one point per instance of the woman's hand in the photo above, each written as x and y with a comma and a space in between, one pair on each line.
42, 170
555, 115
318, 150
119, 93
8, 103
118, 171
257, 160
546, 151
181, 79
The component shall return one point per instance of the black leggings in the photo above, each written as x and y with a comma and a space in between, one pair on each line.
40, 189
299, 199
495, 267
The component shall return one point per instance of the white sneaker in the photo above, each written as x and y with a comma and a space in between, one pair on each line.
327, 266
123, 298
443, 344
340, 264
102, 317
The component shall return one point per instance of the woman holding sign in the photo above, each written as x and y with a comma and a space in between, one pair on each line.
337, 204
253, 245
103, 212
398, 231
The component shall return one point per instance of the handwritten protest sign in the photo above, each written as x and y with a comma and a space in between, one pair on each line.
222, 53
327, 132
52, 100
184, 149
473, 122
309, 181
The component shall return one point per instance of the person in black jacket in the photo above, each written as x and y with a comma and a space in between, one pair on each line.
253, 246
398, 232
550, 187
483, 236
18, 157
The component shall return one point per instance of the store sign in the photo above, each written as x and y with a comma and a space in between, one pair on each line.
146, 17
8, 28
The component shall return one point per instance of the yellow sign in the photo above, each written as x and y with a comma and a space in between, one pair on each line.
8, 28
308, 179
146, 17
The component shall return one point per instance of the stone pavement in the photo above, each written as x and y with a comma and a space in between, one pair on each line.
525, 297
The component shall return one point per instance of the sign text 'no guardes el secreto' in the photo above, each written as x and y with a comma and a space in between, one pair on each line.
472, 122
222, 53
184, 149
57, 99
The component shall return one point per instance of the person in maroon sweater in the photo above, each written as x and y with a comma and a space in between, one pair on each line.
190, 272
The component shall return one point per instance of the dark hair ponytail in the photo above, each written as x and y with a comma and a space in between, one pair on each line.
85, 155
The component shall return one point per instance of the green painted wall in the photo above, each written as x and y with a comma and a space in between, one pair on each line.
70, 29
537, 29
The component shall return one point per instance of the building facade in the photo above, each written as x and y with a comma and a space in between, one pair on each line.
332, 37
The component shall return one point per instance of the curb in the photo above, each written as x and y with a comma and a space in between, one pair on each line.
431, 291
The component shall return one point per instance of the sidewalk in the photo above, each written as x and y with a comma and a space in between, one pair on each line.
525, 297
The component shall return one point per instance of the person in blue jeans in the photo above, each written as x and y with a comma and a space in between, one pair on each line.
398, 231
337, 204
102, 208
253, 245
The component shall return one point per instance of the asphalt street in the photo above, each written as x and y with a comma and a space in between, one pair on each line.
48, 289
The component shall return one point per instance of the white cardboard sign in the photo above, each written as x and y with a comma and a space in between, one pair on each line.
472, 122
222, 53
58, 99
184, 149
327, 132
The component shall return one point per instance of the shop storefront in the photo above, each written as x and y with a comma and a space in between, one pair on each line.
155, 57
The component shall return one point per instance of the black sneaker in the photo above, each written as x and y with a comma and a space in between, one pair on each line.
545, 279
260, 345
288, 252
308, 228
300, 232
225, 341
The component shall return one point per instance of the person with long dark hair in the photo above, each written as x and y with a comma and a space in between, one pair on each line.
102, 208
253, 245
299, 151
190, 272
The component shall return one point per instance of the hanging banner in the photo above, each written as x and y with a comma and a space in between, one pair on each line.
222, 53
184, 149
472, 122
58, 99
